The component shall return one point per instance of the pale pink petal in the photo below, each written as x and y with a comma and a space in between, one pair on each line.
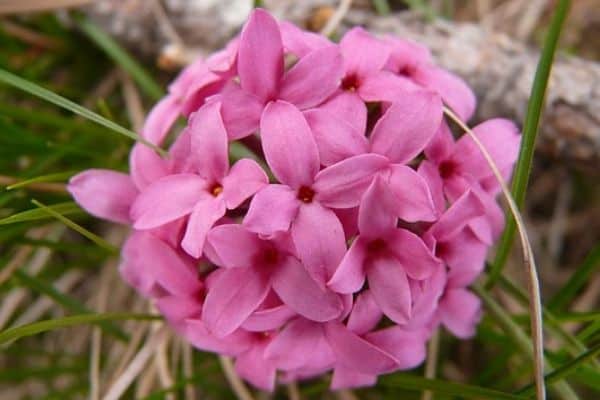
253, 367
365, 315
465, 209
336, 138
349, 276
232, 297
160, 119
414, 201
300, 42
204, 215
260, 55
342, 185
319, 239
241, 111
268, 319
460, 311
314, 78
245, 178
301, 293
429, 172
389, 286
167, 199
289, 146
349, 107
103, 193
414, 255
272, 210
348, 378
455, 92
145, 166
234, 245
385, 86
356, 353
375, 216
364, 54
407, 347
407, 126
295, 345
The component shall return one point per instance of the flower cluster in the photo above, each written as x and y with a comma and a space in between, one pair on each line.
348, 238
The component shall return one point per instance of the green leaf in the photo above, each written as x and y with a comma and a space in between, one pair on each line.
16, 333
413, 382
121, 57
530, 130
35, 214
32, 88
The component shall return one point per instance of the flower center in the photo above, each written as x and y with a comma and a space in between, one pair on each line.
350, 83
306, 194
270, 256
376, 246
407, 70
447, 168
441, 249
216, 189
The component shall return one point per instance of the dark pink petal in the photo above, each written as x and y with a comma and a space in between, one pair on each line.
145, 166
389, 285
364, 54
253, 367
167, 199
349, 219
241, 111
385, 86
441, 145
245, 178
407, 347
460, 311
349, 107
232, 297
260, 55
342, 184
204, 215
289, 146
301, 293
336, 138
349, 277
313, 79
234, 245
209, 146
319, 239
413, 197
269, 319
465, 209
429, 171
161, 118
103, 193
356, 353
295, 345
365, 315
200, 337
272, 210
410, 250
455, 92
407, 126
375, 216
300, 42
348, 378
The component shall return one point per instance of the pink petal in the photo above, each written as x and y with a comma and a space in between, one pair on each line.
413, 197
375, 216
241, 111
300, 42
253, 367
167, 199
385, 86
209, 146
269, 319
426, 295
349, 219
455, 92
314, 78
145, 166
430, 173
260, 55
204, 215
245, 178
347, 378
295, 345
364, 54
365, 315
414, 255
407, 347
349, 277
289, 146
441, 145
161, 118
232, 297
301, 293
272, 210
355, 353
465, 209
342, 185
234, 245
406, 54
176, 309
389, 285
407, 126
336, 138
319, 238
460, 311
103, 193
234, 344
348, 107
465, 255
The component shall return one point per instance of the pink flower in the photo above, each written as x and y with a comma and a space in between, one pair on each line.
204, 196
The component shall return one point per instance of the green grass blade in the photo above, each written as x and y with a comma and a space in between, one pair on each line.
413, 382
577, 281
60, 176
530, 129
122, 58
45, 94
382, 7
78, 228
66, 301
36, 214
16, 333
